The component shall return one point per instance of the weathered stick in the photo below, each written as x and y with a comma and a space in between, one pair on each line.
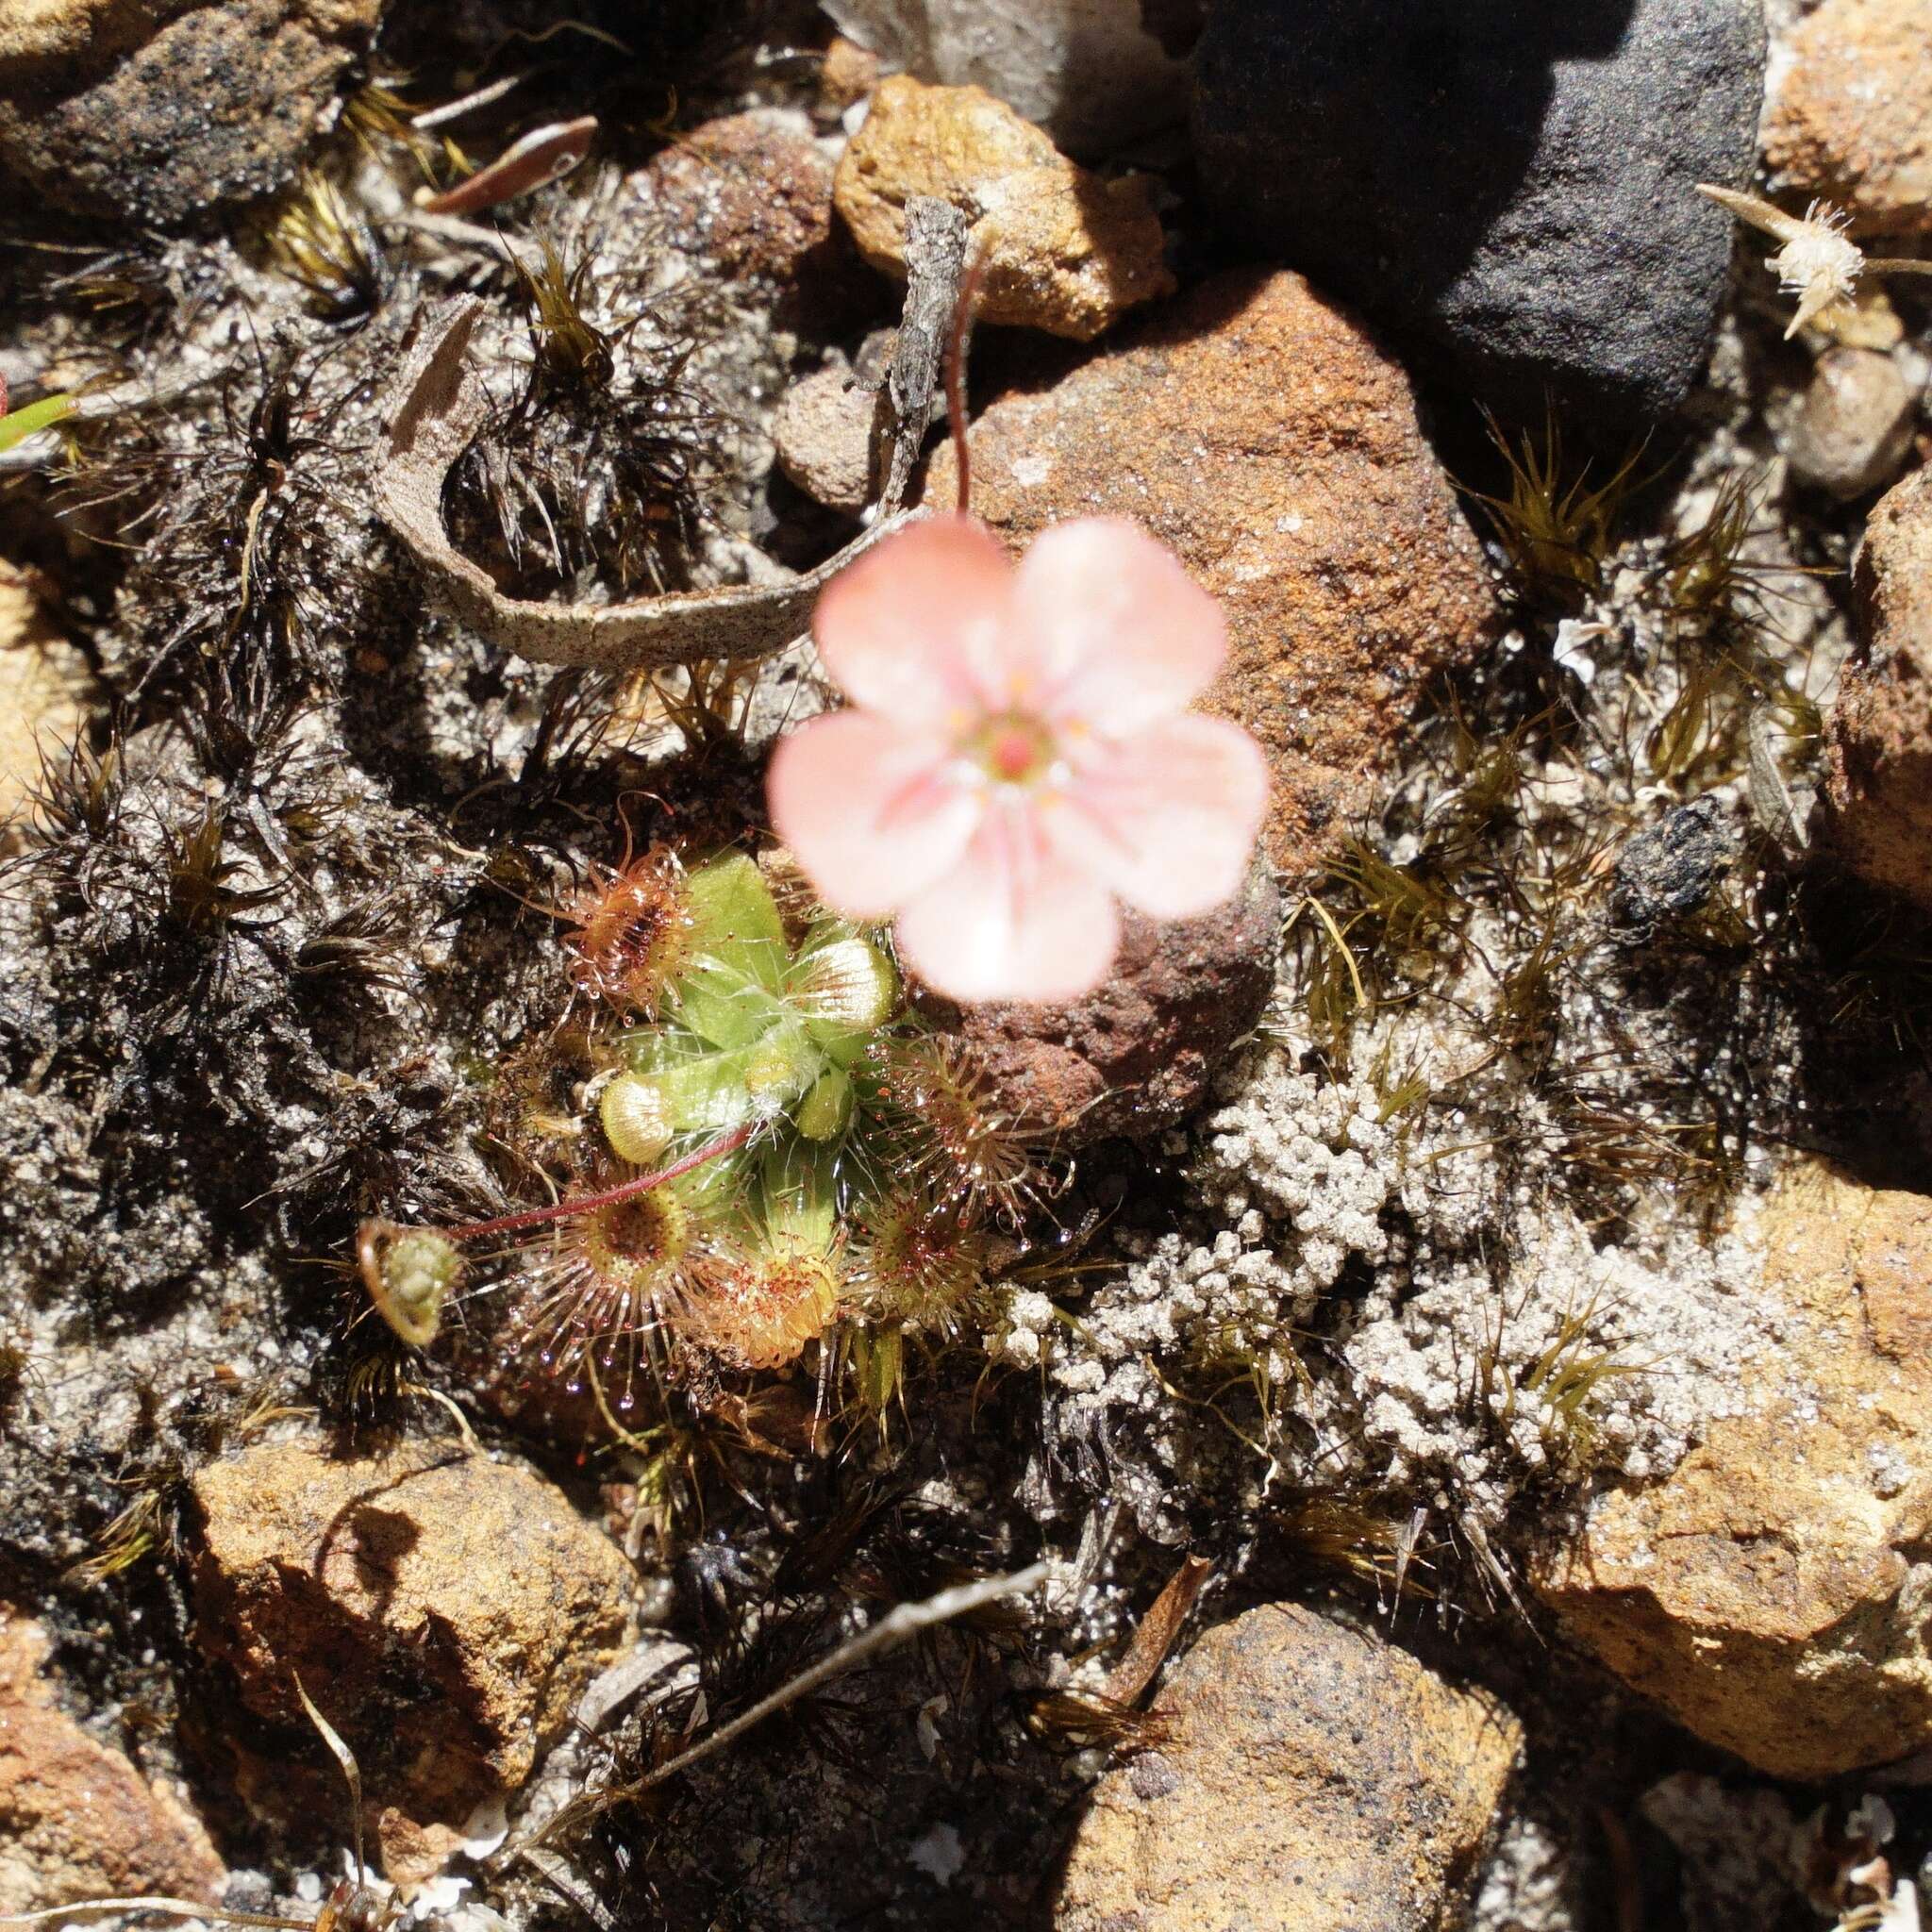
936, 234
436, 404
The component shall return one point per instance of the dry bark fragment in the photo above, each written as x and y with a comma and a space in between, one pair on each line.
436, 406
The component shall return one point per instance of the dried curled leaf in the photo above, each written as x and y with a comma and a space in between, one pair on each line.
435, 408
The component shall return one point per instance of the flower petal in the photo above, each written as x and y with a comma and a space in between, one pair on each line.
907, 631
1012, 921
1121, 633
1166, 818
869, 809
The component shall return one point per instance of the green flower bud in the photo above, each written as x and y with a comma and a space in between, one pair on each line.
799, 1197
780, 1067
825, 1113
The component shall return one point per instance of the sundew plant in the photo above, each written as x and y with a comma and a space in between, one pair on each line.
775, 1148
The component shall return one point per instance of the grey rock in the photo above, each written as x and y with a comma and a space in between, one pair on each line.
1850, 431
1506, 185
1673, 869
1093, 72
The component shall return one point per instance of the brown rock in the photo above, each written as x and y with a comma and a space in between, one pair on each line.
753, 195
153, 113
1062, 250
77, 1820
443, 1610
849, 73
412, 1853
1853, 429
824, 436
1850, 121
1314, 1778
1877, 795
1260, 433
42, 683
1136, 1055
1770, 1594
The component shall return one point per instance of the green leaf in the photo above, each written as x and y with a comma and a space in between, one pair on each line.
736, 919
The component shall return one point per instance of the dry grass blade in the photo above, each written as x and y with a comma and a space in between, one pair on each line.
1129, 1678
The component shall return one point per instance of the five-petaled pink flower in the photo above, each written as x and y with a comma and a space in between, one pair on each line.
1017, 755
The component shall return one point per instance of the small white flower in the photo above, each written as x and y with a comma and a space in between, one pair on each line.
1819, 262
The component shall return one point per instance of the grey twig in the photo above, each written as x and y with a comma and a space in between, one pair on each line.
935, 269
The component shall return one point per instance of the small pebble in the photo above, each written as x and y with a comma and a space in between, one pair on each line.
1850, 431
823, 435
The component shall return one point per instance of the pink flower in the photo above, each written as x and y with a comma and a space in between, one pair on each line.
1017, 755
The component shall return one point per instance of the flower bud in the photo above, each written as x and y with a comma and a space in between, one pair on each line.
409, 1273
825, 1113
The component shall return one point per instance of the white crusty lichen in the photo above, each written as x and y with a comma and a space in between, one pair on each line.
1406, 1319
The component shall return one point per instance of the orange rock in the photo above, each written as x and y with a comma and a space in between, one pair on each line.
1313, 1777
1877, 795
1769, 1593
1850, 121
1261, 434
444, 1611
77, 1820
1062, 250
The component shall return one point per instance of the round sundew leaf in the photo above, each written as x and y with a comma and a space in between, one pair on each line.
844, 988
637, 1117
735, 919
825, 1113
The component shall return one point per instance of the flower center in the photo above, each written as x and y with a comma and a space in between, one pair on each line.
1012, 748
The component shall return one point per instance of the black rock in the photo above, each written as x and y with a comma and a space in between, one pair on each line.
1673, 869
1507, 185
